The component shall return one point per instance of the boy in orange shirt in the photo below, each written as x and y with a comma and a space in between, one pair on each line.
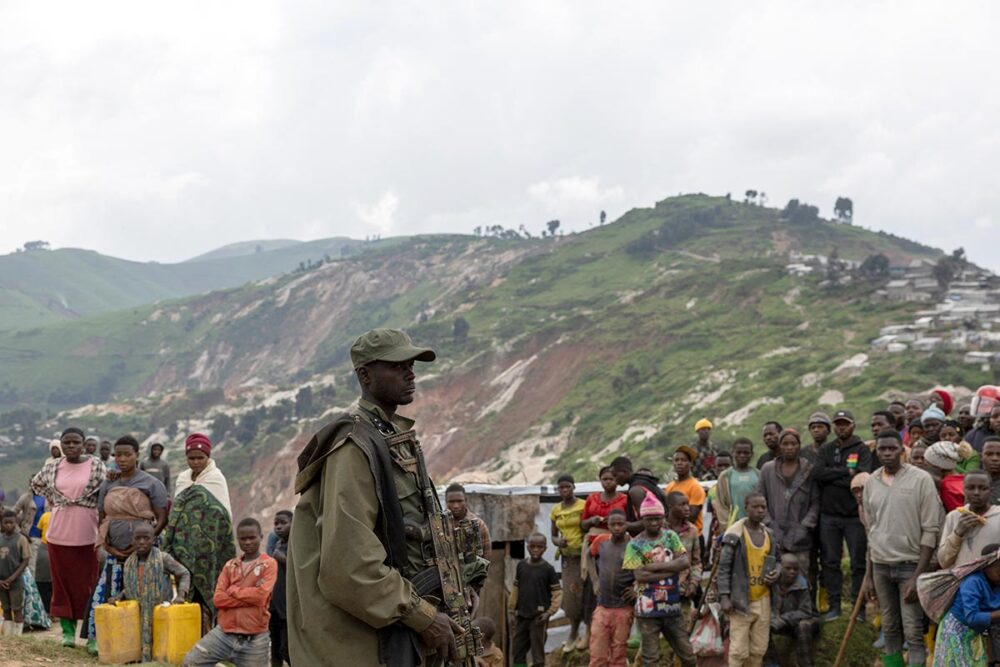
242, 597
687, 484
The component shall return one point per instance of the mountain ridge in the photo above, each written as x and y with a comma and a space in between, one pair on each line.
553, 353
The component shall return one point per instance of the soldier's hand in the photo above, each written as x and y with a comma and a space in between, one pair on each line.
440, 636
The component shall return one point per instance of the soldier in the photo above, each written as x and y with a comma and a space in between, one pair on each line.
360, 533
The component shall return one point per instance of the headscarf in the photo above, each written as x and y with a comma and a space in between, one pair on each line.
198, 442
942, 454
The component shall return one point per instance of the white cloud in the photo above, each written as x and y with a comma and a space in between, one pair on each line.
381, 214
161, 131
573, 191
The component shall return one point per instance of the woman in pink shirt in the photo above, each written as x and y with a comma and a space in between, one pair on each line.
70, 484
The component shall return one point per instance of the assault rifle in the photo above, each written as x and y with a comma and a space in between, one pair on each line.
454, 545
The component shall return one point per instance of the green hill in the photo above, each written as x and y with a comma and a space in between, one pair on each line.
554, 353
44, 286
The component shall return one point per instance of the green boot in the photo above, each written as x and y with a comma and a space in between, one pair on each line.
893, 660
92, 647
69, 631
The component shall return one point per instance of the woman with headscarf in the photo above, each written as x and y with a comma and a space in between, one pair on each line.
199, 532
133, 497
71, 485
55, 452
961, 634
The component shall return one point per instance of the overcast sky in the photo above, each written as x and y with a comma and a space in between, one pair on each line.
162, 130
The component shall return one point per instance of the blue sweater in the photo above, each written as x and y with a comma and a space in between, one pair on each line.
974, 602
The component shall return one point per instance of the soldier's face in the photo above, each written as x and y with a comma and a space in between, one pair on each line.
390, 382
456, 504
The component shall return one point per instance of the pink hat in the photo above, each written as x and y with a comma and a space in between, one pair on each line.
651, 506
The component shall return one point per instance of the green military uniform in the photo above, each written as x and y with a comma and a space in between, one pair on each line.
344, 598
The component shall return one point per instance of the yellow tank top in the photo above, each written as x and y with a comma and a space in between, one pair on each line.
755, 563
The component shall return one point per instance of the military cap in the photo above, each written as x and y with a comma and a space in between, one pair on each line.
387, 345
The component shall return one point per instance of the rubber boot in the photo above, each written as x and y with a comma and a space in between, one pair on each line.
893, 660
3, 628
92, 646
823, 605
69, 631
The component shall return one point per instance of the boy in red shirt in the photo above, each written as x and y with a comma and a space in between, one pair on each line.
242, 597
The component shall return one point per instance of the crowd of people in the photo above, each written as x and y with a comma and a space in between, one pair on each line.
99, 525
922, 495
761, 535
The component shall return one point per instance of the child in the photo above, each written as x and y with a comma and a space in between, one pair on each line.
678, 511
492, 655
15, 552
612, 620
278, 626
747, 569
657, 557
242, 596
792, 612
535, 597
735, 483
146, 579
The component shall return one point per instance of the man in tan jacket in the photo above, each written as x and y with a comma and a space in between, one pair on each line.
360, 535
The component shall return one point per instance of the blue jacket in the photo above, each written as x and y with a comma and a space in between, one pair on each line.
974, 602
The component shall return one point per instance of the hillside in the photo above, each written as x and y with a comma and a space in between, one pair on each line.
44, 286
613, 340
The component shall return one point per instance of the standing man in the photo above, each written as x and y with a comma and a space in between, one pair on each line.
703, 467
977, 436
819, 431
904, 516
157, 466
638, 484
769, 434
898, 411
838, 462
932, 419
911, 411
965, 419
991, 464
109, 461
792, 499
972, 527
360, 534
455, 499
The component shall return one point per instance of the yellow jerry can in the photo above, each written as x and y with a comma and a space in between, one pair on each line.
119, 632
176, 628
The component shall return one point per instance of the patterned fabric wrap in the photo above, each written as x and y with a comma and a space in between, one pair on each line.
34, 610
44, 484
148, 591
125, 504
199, 534
109, 585
958, 645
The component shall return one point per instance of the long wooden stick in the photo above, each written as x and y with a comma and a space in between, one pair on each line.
858, 606
699, 610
